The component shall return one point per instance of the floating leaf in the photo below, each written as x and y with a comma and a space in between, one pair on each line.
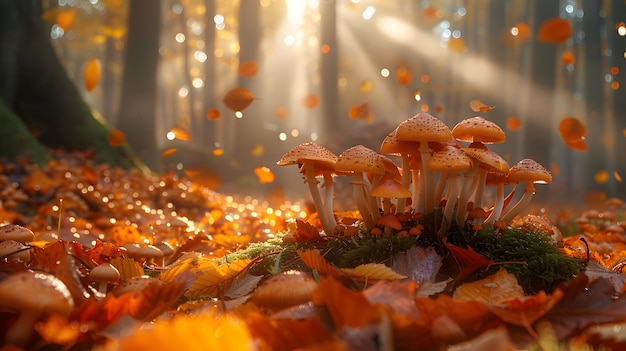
248, 68
116, 137
238, 99
521, 31
361, 112
366, 86
203, 177
257, 150
169, 152
513, 124
91, 74
457, 45
403, 76
478, 106
554, 30
264, 174
181, 133
568, 58
601, 176
309, 101
431, 12
213, 114
573, 133
281, 112
59, 16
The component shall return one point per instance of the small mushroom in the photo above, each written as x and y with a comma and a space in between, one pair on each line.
529, 172
33, 296
103, 274
14, 250
16, 232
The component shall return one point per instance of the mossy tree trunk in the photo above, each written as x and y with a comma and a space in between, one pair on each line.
39, 104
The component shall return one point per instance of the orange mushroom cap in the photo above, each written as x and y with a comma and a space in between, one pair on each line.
423, 128
388, 187
450, 159
488, 159
478, 129
392, 146
528, 170
360, 159
322, 158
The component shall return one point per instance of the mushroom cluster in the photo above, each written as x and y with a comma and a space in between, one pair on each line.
438, 175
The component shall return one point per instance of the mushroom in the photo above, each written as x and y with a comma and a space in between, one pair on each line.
497, 179
103, 274
424, 128
529, 172
16, 232
452, 163
311, 157
485, 160
14, 250
358, 160
392, 146
33, 296
478, 131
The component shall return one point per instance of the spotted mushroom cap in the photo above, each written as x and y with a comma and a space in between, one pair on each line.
36, 291
388, 187
14, 250
450, 159
360, 159
478, 129
319, 155
16, 232
423, 128
104, 272
392, 146
487, 158
528, 170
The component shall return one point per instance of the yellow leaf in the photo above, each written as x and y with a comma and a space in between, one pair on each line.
213, 278
491, 290
184, 264
373, 271
128, 267
478, 106
191, 333
314, 260
56, 329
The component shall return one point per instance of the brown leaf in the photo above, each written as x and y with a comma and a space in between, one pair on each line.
419, 264
238, 99
491, 290
478, 106
397, 295
347, 308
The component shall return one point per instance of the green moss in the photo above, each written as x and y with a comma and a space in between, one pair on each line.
345, 253
545, 266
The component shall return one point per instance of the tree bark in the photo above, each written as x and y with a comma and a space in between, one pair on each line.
35, 87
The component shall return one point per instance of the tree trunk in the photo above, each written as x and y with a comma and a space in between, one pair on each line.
138, 105
35, 87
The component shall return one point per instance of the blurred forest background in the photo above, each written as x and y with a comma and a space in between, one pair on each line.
220, 89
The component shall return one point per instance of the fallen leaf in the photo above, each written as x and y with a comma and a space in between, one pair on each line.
212, 278
347, 308
372, 271
595, 270
315, 261
242, 285
399, 296
468, 260
418, 264
288, 334
491, 290
127, 267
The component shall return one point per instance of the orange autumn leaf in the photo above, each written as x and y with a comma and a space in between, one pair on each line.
190, 334
248, 68
169, 152
91, 74
431, 12
467, 259
554, 30
58, 330
211, 277
309, 101
38, 182
127, 267
286, 333
203, 177
568, 58
62, 18
238, 99
521, 30
361, 112
347, 308
457, 45
213, 114
371, 272
366, 86
180, 133
491, 290
116, 137
513, 124
601, 177
478, 106
526, 310
314, 260
257, 150
403, 76
617, 176
264, 174
281, 112
573, 133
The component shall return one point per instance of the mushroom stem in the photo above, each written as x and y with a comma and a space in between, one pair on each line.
498, 204
360, 199
20, 333
480, 187
466, 193
312, 182
441, 185
417, 200
455, 190
429, 181
406, 180
329, 188
373, 201
524, 201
